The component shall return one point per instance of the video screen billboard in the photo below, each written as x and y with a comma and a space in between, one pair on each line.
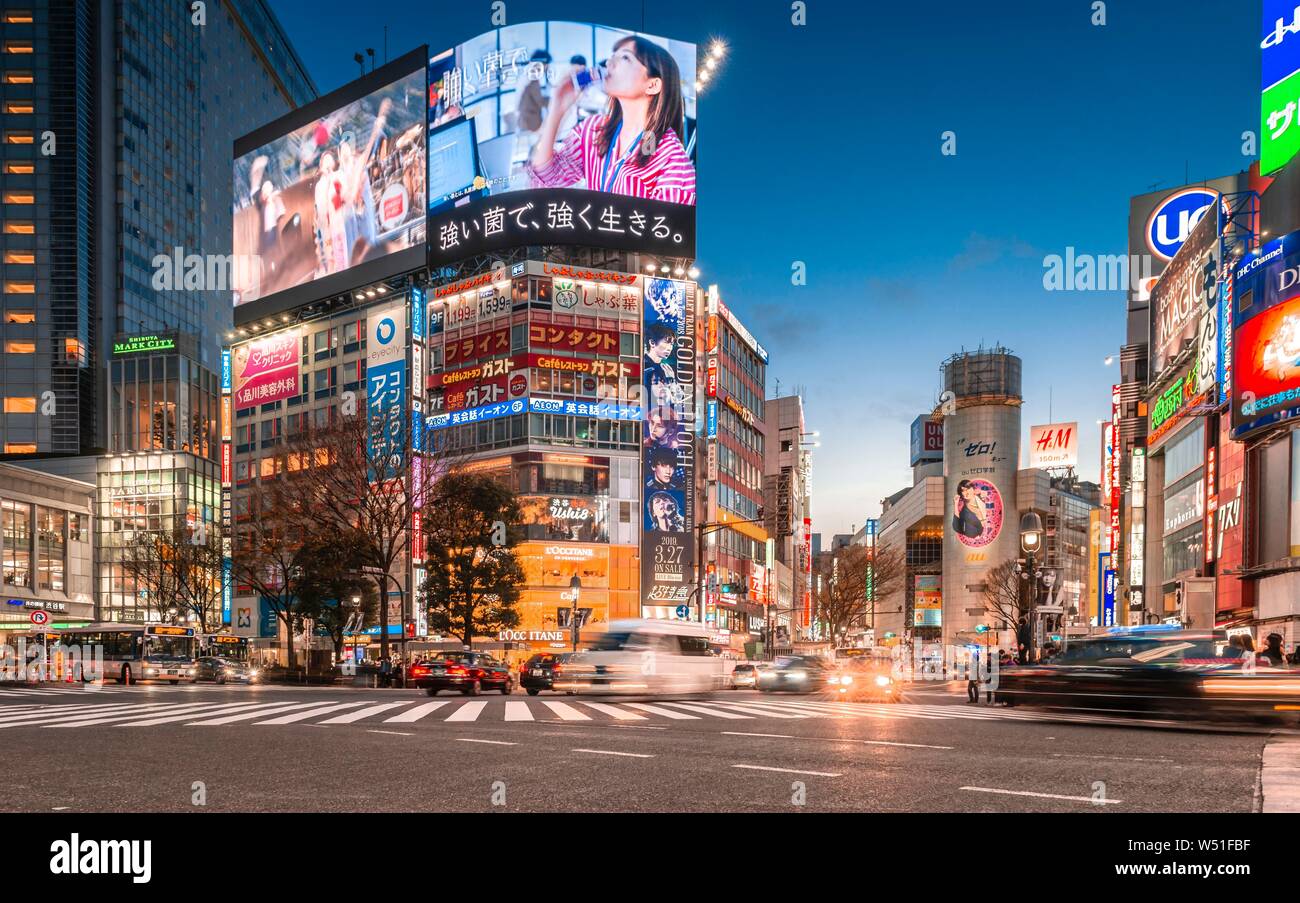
562, 133
1265, 345
326, 196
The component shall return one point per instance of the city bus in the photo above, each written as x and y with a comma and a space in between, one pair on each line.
223, 645
136, 652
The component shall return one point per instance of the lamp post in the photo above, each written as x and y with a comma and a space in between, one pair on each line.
575, 587
1031, 541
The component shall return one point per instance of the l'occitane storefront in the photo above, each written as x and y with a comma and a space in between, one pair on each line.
608, 591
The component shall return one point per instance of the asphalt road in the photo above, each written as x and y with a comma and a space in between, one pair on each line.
280, 749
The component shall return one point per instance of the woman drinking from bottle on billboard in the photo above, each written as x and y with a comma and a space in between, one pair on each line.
633, 148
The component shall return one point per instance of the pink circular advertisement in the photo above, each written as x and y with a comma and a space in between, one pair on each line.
977, 513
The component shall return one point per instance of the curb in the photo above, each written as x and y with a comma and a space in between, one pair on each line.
1280, 776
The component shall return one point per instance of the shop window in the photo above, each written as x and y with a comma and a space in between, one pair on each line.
16, 526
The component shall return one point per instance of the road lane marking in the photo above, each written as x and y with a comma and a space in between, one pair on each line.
492, 742
393, 733
656, 710
299, 716
1161, 759
52, 712
518, 711
350, 717
747, 734
416, 713
566, 712
816, 774
717, 713
1050, 796
614, 711
468, 712
612, 752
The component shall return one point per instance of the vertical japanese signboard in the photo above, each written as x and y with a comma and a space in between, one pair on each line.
1115, 493
227, 467
386, 388
1279, 50
668, 466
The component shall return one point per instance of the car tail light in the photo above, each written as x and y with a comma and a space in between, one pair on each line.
557, 669
457, 669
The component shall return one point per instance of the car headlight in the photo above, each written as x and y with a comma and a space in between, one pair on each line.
797, 675
832, 680
846, 679
883, 681
150, 670
253, 673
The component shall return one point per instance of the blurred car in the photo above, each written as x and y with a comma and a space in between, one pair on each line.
1179, 672
540, 671
645, 655
862, 679
796, 674
744, 677
469, 672
225, 670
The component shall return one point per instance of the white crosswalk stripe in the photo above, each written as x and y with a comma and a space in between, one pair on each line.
351, 717
423, 709
151, 711
303, 716
566, 712
265, 708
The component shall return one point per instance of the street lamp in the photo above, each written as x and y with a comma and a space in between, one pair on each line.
356, 604
1031, 541
575, 587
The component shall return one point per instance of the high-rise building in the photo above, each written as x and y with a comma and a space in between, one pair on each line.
787, 471
118, 120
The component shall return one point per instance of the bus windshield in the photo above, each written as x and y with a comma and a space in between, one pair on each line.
168, 648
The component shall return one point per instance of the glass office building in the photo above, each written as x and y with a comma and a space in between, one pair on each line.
116, 123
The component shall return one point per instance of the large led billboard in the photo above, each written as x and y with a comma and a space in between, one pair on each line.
332, 196
562, 133
1182, 297
1265, 346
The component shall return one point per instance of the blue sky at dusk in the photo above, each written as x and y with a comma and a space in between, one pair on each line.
821, 144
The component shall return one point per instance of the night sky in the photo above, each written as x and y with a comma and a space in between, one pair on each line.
821, 144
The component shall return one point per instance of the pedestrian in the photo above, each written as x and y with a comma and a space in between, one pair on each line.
973, 679
397, 673
1272, 652
385, 672
1022, 640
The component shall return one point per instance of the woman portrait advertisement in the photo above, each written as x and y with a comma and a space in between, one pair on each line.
663, 513
976, 512
634, 148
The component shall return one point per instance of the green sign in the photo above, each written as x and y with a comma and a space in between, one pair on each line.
138, 343
1279, 133
1169, 402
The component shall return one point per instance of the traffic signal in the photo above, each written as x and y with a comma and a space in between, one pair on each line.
981, 628
728, 587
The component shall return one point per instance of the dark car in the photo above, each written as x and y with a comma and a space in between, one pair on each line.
224, 670
539, 672
469, 672
1198, 673
796, 674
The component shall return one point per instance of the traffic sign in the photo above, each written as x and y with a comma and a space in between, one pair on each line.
683, 611
1051, 609
975, 612
40, 618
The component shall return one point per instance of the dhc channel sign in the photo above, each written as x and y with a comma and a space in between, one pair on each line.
1175, 218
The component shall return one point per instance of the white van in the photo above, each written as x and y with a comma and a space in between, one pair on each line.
646, 656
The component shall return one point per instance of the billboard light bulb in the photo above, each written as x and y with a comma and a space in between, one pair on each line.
678, 272
664, 268
693, 272
649, 267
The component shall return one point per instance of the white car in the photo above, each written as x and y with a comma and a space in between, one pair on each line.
646, 656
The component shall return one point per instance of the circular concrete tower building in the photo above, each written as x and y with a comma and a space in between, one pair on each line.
981, 456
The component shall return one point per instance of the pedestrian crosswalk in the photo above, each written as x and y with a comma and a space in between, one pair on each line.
328, 710
10, 692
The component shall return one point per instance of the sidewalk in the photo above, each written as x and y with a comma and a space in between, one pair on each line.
1279, 776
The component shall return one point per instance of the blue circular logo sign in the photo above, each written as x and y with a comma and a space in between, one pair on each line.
1174, 219
386, 330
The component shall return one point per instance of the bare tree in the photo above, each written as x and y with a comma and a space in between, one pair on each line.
358, 475
849, 578
1004, 595
267, 560
179, 570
